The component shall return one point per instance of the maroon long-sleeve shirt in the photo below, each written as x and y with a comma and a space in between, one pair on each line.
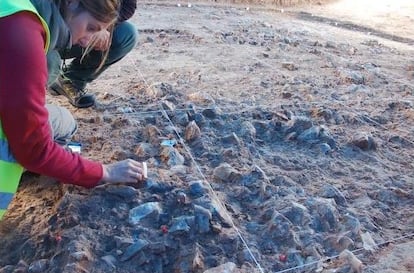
23, 76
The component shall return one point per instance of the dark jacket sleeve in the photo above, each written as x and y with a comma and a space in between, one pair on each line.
127, 10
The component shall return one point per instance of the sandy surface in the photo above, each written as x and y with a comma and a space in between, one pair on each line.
302, 146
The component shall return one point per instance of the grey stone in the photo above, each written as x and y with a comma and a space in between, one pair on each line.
197, 189
202, 219
125, 192
296, 213
182, 224
226, 173
192, 131
133, 249
148, 209
110, 261
330, 191
224, 268
171, 156
38, 266
325, 217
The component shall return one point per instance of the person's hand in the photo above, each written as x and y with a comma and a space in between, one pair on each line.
127, 171
101, 40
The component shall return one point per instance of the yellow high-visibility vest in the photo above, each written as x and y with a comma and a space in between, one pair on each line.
10, 170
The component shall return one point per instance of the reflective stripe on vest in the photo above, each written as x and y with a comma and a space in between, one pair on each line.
10, 170
5, 153
5, 199
10, 173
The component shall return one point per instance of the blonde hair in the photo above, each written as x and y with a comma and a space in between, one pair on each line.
106, 11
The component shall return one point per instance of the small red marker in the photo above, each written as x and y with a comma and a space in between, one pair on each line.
164, 229
283, 258
58, 238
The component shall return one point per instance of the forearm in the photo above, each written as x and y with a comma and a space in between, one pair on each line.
23, 76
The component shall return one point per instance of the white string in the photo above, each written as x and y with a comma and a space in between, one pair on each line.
353, 251
219, 202
215, 196
212, 190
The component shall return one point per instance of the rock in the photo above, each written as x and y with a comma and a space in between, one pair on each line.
133, 249
231, 139
202, 219
199, 119
168, 105
124, 192
159, 90
38, 266
310, 135
198, 260
247, 130
337, 243
216, 227
197, 189
246, 255
296, 213
181, 197
7, 269
294, 257
368, 243
325, 216
330, 44
152, 134
143, 211
330, 191
110, 261
289, 66
210, 113
171, 156
226, 173
350, 77
201, 97
192, 131
182, 224
352, 260
229, 240
179, 170
325, 148
221, 213
157, 187
298, 124
74, 268
81, 256
181, 118
122, 242
145, 150
365, 142
119, 154
158, 247
224, 268
279, 229
352, 224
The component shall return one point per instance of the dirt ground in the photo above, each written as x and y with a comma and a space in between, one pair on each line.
277, 138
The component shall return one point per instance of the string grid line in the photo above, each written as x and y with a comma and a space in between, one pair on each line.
215, 195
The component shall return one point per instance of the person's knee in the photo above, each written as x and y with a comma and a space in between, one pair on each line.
62, 124
125, 37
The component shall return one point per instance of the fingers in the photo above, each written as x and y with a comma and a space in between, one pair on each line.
129, 171
101, 40
137, 170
